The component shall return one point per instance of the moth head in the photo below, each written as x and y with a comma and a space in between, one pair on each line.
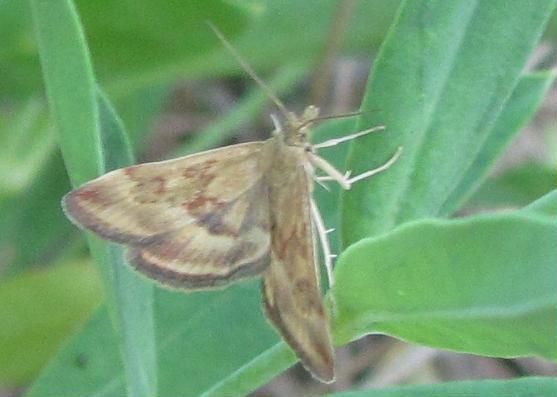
297, 129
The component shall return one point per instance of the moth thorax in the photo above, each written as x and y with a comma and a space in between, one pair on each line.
297, 130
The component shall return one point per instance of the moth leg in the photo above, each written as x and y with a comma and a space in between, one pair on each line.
328, 256
319, 180
345, 181
332, 173
327, 178
322, 232
336, 141
379, 169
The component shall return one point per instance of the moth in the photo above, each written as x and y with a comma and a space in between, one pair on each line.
225, 215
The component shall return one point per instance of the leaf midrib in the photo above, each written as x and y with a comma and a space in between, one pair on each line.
474, 313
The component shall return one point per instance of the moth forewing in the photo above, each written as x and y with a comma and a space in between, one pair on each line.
291, 293
198, 221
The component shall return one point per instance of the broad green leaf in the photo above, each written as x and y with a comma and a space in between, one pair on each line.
482, 285
93, 142
523, 387
441, 79
514, 188
38, 310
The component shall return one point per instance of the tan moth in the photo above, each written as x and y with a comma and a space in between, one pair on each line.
225, 215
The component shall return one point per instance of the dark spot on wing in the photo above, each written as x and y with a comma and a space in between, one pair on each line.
214, 223
201, 203
159, 184
302, 285
200, 172
89, 194
130, 171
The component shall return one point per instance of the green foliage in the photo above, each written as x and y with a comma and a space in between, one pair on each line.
28, 139
132, 51
33, 228
514, 188
441, 86
99, 145
146, 42
194, 331
519, 108
526, 387
449, 87
453, 285
35, 331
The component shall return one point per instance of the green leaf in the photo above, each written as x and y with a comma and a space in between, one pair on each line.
520, 107
70, 86
34, 323
255, 373
92, 142
482, 285
202, 338
546, 205
441, 80
514, 188
523, 387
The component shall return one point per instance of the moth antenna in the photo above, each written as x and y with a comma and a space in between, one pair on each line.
249, 70
339, 116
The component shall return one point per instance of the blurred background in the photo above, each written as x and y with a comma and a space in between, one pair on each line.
179, 91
